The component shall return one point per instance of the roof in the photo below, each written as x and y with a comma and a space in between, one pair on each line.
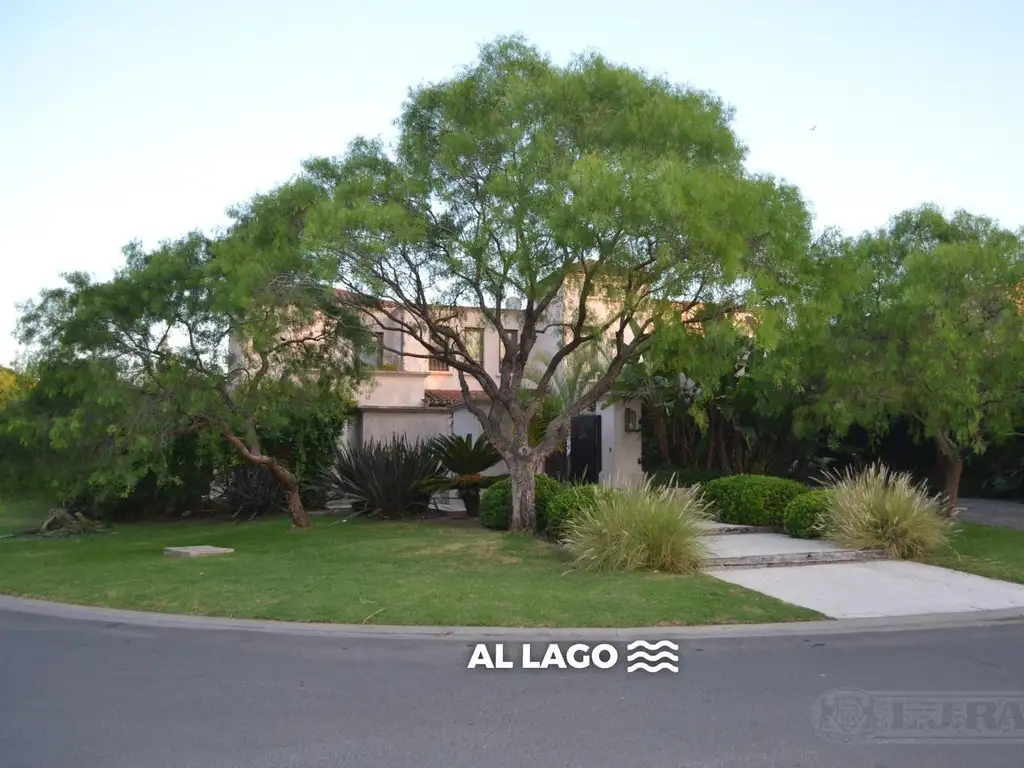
451, 398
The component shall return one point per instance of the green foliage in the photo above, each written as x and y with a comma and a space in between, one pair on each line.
569, 503
920, 321
683, 476
647, 528
804, 516
881, 509
224, 335
388, 479
521, 177
751, 499
466, 459
496, 503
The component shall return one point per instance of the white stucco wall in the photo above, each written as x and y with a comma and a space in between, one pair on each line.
377, 425
620, 450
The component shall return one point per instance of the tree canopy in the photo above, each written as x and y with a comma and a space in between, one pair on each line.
602, 198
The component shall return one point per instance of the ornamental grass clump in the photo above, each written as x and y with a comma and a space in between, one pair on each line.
646, 528
878, 508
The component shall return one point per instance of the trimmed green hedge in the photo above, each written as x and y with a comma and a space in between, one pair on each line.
496, 503
569, 502
805, 514
752, 499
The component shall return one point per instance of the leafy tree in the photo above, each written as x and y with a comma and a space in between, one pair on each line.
208, 335
568, 188
922, 320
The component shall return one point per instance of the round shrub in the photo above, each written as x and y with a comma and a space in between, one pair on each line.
804, 516
496, 503
568, 503
752, 499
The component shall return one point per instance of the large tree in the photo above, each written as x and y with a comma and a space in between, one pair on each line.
218, 335
557, 185
922, 320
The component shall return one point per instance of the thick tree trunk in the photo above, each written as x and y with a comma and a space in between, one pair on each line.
471, 499
524, 493
292, 494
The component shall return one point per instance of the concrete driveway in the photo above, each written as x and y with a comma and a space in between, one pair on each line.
86, 694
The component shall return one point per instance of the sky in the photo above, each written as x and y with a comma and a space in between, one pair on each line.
145, 119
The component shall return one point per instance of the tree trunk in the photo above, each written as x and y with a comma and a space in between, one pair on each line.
292, 494
471, 499
524, 493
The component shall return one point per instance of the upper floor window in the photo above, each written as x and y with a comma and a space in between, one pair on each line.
435, 364
373, 354
475, 344
513, 338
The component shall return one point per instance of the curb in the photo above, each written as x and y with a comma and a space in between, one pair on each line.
1011, 616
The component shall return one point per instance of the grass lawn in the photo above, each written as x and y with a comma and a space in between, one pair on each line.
987, 551
366, 572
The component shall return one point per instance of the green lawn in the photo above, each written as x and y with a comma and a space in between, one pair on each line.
365, 572
987, 551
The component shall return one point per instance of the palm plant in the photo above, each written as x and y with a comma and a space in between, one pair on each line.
466, 459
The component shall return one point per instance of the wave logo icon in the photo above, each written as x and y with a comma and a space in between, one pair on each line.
645, 657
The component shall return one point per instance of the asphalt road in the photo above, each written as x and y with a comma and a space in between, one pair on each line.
87, 694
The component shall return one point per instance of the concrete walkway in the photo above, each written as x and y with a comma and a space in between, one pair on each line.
876, 589
848, 584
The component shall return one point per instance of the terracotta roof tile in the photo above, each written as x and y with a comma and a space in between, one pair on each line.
447, 398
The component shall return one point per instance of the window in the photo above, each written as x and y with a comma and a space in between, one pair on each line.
437, 365
475, 344
513, 338
373, 354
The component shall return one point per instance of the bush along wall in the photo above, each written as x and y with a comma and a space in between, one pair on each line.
752, 499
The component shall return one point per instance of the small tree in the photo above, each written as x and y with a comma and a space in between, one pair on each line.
922, 320
597, 195
209, 335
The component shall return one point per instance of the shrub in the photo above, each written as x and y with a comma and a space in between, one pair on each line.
387, 479
252, 492
496, 503
466, 460
646, 528
751, 499
569, 502
804, 516
881, 509
684, 476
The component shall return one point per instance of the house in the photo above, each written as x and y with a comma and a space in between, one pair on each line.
419, 397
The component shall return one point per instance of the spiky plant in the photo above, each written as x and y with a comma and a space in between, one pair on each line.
384, 478
643, 528
877, 508
466, 459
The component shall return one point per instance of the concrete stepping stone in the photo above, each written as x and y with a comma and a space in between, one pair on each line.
712, 528
203, 550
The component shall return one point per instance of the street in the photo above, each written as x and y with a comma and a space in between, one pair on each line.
105, 695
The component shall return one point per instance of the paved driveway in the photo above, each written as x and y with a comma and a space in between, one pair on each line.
1005, 514
107, 695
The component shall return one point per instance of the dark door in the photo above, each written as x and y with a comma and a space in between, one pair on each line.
585, 448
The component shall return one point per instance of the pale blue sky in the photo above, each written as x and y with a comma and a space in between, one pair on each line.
145, 118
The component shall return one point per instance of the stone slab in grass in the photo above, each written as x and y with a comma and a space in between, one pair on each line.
198, 551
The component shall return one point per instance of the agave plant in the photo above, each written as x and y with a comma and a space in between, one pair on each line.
383, 478
466, 459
